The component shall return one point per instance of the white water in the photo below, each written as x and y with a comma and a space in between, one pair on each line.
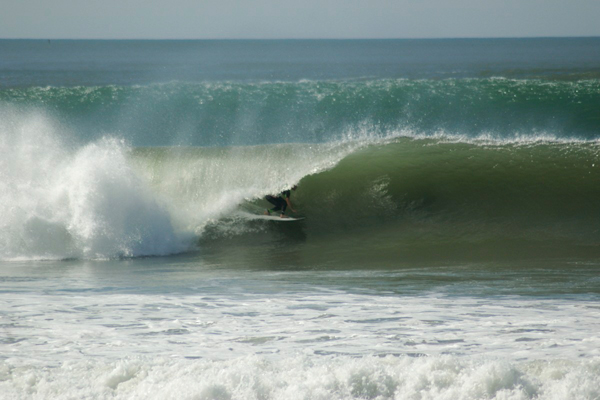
64, 202
188, 331
302, 377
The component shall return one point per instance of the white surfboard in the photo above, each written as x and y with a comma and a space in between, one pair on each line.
270, 217
278, 218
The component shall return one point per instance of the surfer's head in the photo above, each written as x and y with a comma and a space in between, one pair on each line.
294, 187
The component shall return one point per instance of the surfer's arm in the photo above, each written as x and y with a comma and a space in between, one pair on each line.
289, 203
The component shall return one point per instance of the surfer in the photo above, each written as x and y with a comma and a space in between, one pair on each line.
280, 202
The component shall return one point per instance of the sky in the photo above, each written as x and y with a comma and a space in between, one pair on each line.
297, 19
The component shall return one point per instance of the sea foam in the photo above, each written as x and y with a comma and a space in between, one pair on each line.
303, 377
66, 201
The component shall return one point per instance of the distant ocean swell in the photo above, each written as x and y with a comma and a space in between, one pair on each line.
229, 113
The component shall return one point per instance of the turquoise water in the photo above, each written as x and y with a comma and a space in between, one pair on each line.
238, 113
449, 247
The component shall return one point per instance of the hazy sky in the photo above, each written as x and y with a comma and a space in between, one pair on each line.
212, 19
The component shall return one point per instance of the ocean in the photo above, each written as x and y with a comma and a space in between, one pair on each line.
449, 246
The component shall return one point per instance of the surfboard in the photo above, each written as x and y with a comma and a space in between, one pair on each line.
277, 218
248, 215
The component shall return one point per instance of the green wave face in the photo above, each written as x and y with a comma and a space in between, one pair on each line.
462, 191
403, 198
319, 111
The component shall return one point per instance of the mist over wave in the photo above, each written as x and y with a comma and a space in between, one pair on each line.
237, 113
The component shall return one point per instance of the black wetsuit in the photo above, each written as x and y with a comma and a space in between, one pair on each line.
279, 201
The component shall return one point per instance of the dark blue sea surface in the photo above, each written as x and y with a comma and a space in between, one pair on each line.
129, 62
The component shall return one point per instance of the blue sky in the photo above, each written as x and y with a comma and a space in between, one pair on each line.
271, 19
